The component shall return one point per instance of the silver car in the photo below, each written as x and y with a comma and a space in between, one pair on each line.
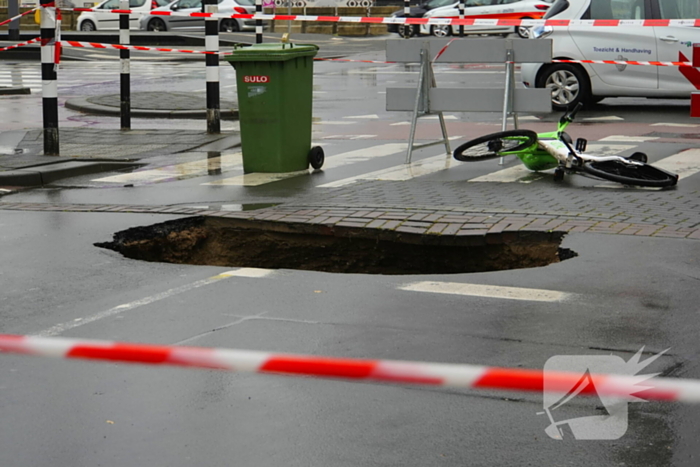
152, 22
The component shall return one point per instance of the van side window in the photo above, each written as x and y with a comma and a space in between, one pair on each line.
679, 9
616, 9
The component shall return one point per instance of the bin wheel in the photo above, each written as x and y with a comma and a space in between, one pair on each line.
316, 157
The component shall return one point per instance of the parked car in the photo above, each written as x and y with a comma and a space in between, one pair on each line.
410, 30
590, 83
167, 23
103, 18
511, 9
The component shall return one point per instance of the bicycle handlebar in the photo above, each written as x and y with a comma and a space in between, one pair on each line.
569, 117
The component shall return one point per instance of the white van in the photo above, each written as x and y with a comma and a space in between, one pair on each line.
590, 83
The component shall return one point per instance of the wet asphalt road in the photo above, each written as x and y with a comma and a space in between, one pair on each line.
629, 292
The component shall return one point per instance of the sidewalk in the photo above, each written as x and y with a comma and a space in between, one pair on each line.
88, 150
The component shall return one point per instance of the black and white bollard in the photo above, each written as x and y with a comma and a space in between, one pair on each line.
258, 22
49, 88
461, 16
125, 64
211, 44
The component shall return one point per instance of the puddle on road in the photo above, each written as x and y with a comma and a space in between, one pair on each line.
244, 243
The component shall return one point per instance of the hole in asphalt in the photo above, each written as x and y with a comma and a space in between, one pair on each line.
245, 243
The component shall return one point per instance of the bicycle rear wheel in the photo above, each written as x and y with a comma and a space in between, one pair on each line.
631, 174
494, 145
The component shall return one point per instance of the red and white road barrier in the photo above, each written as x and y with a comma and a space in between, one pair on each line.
485, 20
385, 371
18, 16
10, 47
629, 62
96, 45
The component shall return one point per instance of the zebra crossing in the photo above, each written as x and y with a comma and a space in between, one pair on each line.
88, 73
228, 168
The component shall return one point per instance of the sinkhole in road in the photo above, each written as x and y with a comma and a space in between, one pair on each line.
217, 241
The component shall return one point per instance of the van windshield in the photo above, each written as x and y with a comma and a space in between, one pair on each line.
558, 7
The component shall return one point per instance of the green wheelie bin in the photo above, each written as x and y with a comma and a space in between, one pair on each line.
274, 84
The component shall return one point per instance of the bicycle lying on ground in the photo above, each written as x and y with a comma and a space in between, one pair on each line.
553, 150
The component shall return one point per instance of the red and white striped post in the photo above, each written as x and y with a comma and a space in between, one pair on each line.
49, 87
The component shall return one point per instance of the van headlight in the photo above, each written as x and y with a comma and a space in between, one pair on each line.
538, 32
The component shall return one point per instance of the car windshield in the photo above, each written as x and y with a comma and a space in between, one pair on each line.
558, 7
679, 9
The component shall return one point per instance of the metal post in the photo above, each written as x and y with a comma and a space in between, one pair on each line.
509, 89
211, 38
258, 22
125, 63
421, 100
407, 28
461, 16
13, 28
49, 88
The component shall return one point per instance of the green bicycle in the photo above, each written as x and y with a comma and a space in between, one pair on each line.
554, 150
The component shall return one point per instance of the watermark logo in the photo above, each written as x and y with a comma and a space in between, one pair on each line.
612, 424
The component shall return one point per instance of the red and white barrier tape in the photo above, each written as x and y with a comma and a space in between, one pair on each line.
630, 62
486, 20
31, 41
387, 371
161, 49
20, 15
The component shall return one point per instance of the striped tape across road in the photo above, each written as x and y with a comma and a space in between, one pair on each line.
384, 371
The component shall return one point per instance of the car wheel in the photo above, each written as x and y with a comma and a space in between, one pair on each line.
87, 25
407, 30
568, 84
523, 31
156, 24
229, 25
441, 30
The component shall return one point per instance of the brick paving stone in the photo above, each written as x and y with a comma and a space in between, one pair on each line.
416, 230
391, 225
375, 224
437, 228
350, 224
417, 217
475, 233
695, 234
417, 224
475, 226
452, 229
434, 217
332, 220
670, 233
317, 220
294, 219
512, 226
393, 216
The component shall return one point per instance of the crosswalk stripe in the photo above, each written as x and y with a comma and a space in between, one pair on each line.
400, 172
188, 169
338, 160
685, 163
487, 291
520, 174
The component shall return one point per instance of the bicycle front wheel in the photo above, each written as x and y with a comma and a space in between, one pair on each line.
631, 174
494, 145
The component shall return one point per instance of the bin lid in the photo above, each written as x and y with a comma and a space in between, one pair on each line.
278, 52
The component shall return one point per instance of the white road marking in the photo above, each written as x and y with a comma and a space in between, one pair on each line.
400, 123
685, 163
338, 160
187, 169
330, 122
520, 174
119, 309
682, 125
489, 291
635, 139
399, 172
610, 118
373, 116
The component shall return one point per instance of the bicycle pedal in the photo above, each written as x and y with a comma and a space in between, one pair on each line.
581, 144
